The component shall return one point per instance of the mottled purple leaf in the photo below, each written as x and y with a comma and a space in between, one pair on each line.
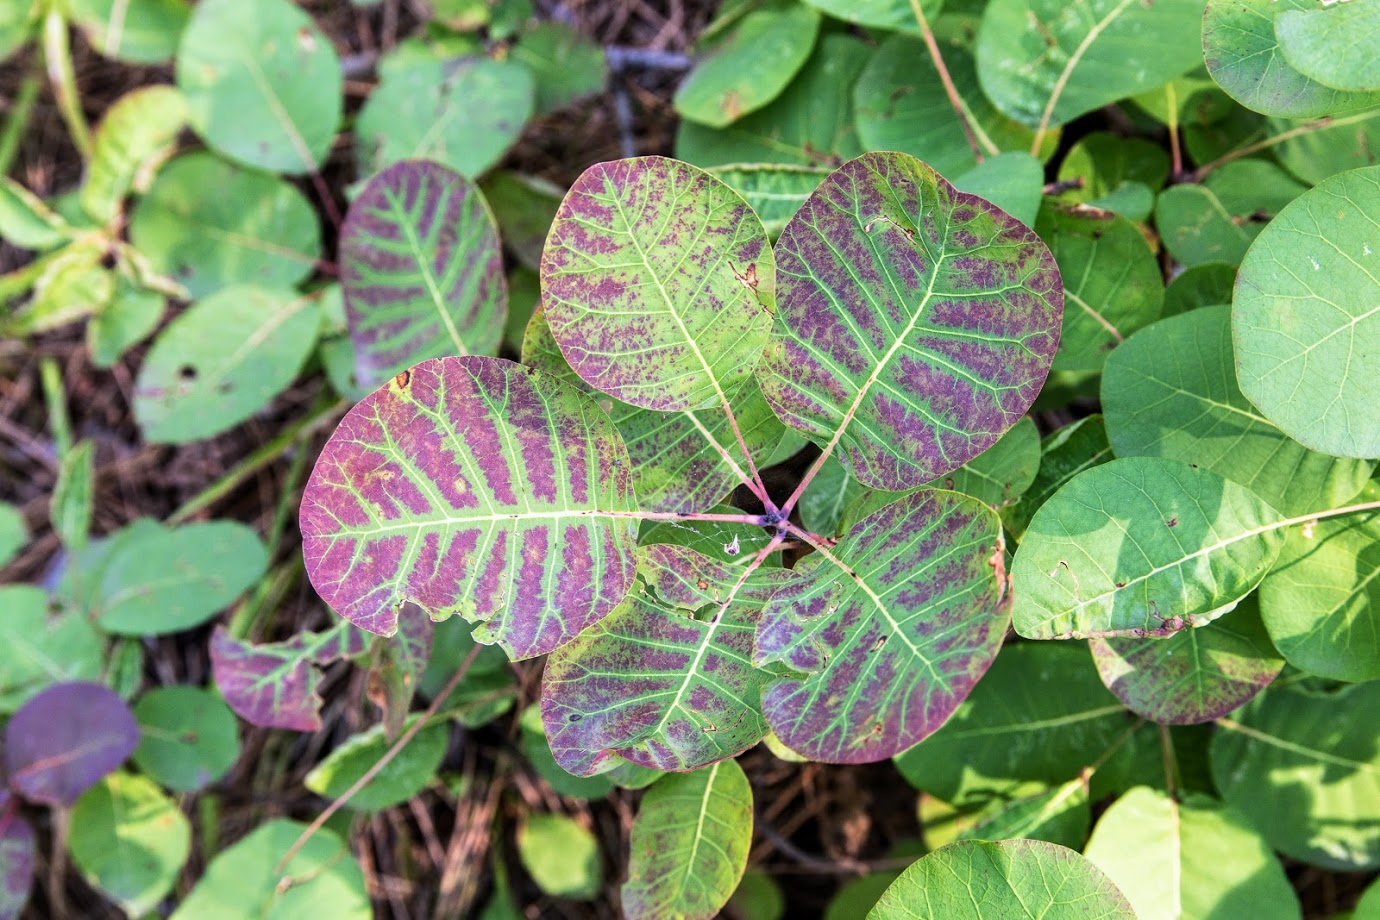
421, 270
1194, 675
665, 681
16, 860
889, 630
659, 283
273, 685
475, 486
64, 739
915, 323
682, 461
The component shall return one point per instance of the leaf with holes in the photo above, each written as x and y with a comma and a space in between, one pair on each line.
888, 631
273, 685
1045, 62
64, 739
915, 323
689, 845
680, 651
977, 880
263, 83
474, 486
1140, 547
421, 270
1306, 317
1195, 675
658, 282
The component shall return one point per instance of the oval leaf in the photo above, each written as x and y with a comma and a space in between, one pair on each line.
889, 630
263, 83
188, 737
689, 844
561, 855
421, 270
976, 880
1321, 44
1306, 317
1140, 547
1171, 392
658, 283
916, 323
130, 841
1195, 675
136, 134
680, 646
63, 740
43, 648
473, 486
405, 776
137, 31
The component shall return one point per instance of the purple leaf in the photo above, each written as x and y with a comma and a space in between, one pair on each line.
421, 270
64, 739
474, 486
889, 630
915, 323
16, 859
665, 681
274, 685
658, 281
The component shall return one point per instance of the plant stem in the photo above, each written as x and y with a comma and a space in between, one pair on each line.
18, 119
323, 413
1175, 152
1327, 121
57, 54
1171, 766
383, 761
954, 99
56, 399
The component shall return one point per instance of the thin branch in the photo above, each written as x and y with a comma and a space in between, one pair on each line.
954, 99
1327, 121
383, 761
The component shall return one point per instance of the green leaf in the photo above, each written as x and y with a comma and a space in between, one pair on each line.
1112, 282
1171, 392
1119, 174
809, 124
561, 856
72, 284
1198, 858
464, 113
158, 580
1321, 601
683, 461
883, 14
566, 65
634, 316
976, 880
136, 134
14, 533
1140, 547
524, 207
689, 844
1303, 767
421, 270
188, 737
135, 31
1013, 182
1244, 57
1330, 147
532, 501
70, 511
221, 361
775, 191
1197, 228
16, 26
263, 83
1045, 63
1060, 815
1040, 714
243, 882
1205, 285
1305, 320
724, 541
1063, 455
758, 896
880, 348
43, 648
1194, 675
887, 632
749, 67
405, 776
680, 646
27, 222
250, 227
132, 314
537, 750
130, 841
901, 104
1368, 908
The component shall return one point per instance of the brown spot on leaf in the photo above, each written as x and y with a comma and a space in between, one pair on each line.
1172, 522
403, 379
